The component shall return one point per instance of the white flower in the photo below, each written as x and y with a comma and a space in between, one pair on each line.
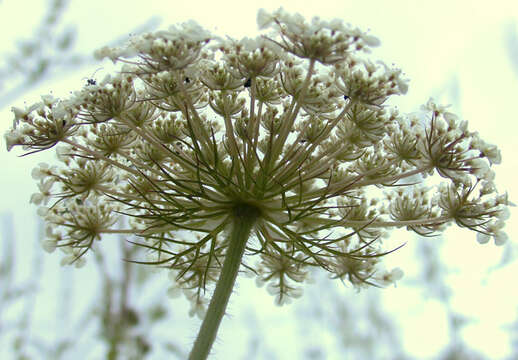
44, 195
371, 40
479, 168
42, 211
278, 138
402, 84
49, 245
488, 187
503, 200
113, 53
323, 41
189, 31
492, 153
483, 238
496, 226
391, 277
452, 120
41, 171
48, 99
501, 238
104, 52
192, 31
62, 153
12, 138
20, 114
504, 214
264, 19
198, 304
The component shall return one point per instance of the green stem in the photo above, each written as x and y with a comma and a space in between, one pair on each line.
245, 217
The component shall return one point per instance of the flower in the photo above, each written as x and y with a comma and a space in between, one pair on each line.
390, 277
190, 134
42, 171
324, 41
264, 19
250, 149
44, 195
369, 83
13, 138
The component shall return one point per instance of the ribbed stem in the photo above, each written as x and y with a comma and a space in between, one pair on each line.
245, 217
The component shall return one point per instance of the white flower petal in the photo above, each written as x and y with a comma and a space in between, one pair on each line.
501, 238
482, 238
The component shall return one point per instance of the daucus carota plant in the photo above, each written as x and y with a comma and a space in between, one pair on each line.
254, 155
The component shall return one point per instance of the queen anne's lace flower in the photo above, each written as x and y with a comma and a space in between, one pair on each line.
324, 41
259, 147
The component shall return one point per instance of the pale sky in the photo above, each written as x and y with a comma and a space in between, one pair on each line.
455, 51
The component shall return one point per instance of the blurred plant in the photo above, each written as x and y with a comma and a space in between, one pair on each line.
376, 334
432, 281
219, 148
373, 336
45, 55
121, 324
124, 327
13, 292
48, 53
32, 58
511, 39
48, 50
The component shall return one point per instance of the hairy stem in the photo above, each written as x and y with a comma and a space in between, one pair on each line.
244, 219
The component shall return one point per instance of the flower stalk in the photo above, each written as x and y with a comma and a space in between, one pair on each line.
244, 219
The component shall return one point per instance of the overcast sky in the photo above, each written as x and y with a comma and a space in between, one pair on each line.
457, 51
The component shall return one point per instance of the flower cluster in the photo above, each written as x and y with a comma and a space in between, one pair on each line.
290, 130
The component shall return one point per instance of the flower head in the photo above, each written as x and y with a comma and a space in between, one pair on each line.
288, 130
